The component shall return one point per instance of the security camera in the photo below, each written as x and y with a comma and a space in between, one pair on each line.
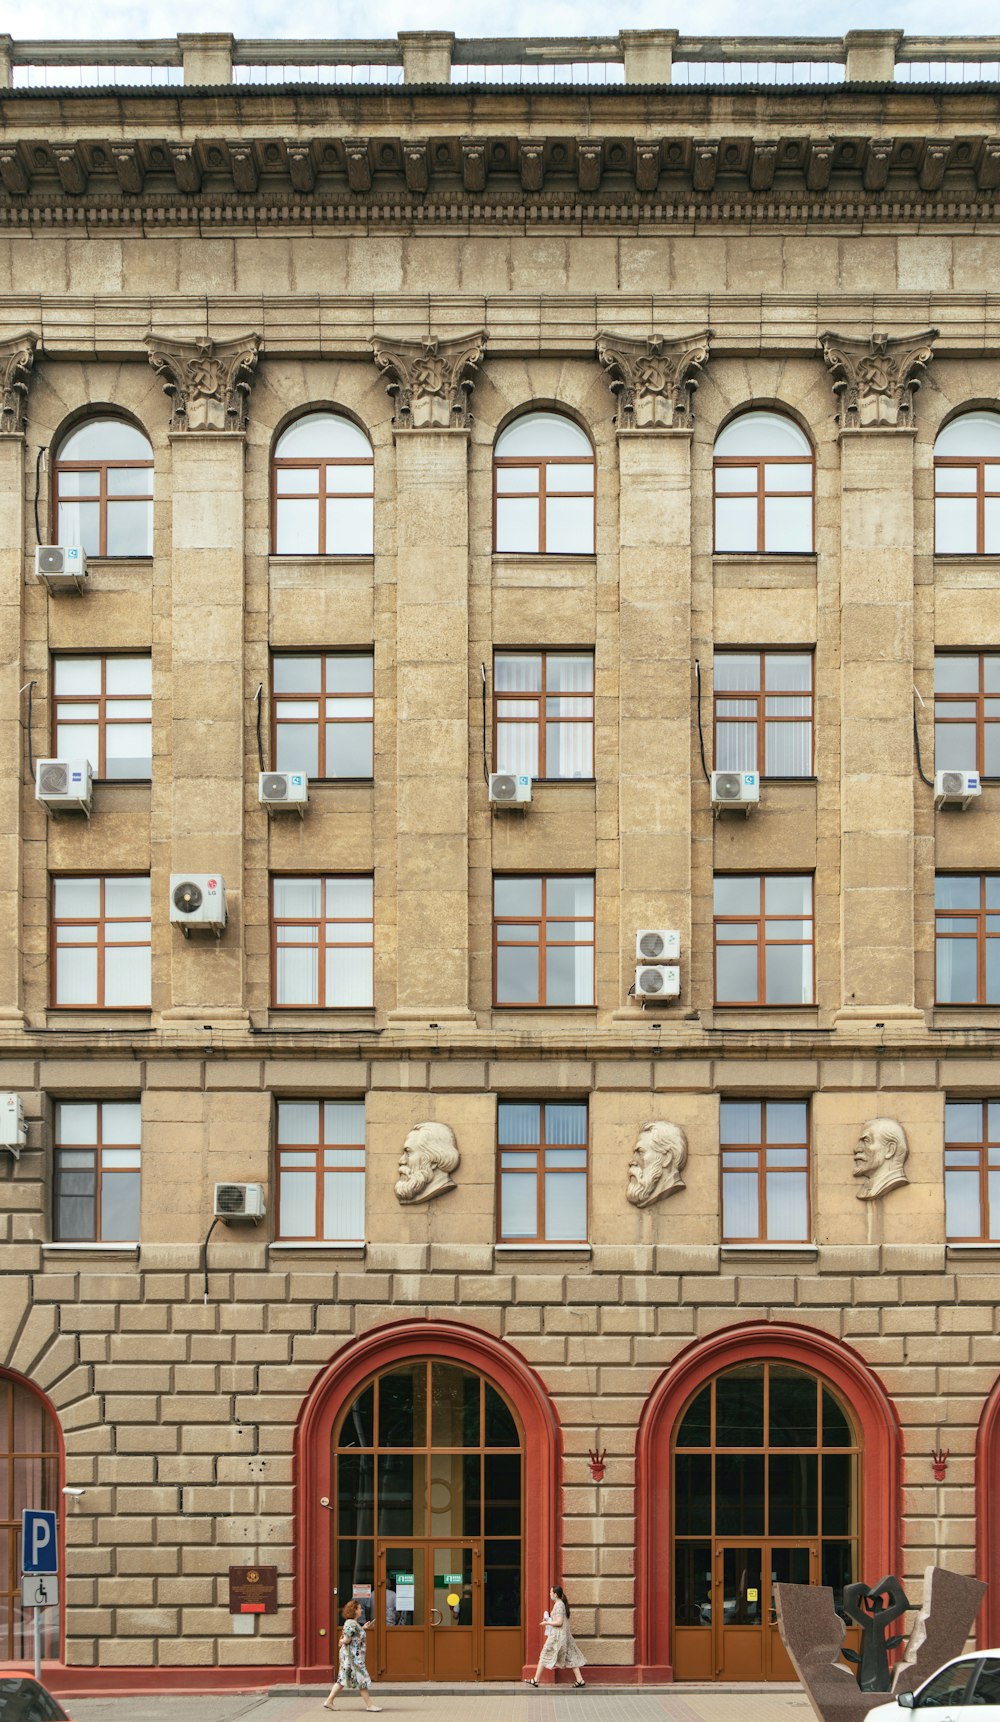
68, 1491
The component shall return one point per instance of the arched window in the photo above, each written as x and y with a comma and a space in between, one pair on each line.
967, 486
29, 1477
764, 471
543, 486
322, 489
103, 489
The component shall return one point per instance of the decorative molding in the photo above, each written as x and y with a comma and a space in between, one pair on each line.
209, 382
877, 379
17, 358
654, 380
431, 381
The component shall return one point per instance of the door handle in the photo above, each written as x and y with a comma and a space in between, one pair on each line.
440, 1617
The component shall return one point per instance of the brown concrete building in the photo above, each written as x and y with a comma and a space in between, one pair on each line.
604, 436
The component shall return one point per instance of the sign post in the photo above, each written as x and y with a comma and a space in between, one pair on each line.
39, 1562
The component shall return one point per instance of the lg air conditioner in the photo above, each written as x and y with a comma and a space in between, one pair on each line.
198, 903
735, 789
509, 788
63, 567
239, 1202
657, 945
658, 981
64, 785
13, 1130
956, 788
278, 790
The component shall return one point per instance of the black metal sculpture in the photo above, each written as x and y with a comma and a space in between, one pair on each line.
874, 1609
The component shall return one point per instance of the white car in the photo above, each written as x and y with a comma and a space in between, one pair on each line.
966, 1690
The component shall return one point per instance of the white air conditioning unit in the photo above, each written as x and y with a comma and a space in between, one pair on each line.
281, 789
509, 789
13, 1130
198, 902
739, 789
64, 785
658, 981
956, 788
657, 945
63, 567
239, 1202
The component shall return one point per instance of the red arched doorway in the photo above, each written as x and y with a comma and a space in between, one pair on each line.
874, 1433
31, 1469
988, 1517
402, 1350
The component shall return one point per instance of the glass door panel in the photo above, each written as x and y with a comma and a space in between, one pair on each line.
738, 1611
403, 1609
455, 1624
786, 1565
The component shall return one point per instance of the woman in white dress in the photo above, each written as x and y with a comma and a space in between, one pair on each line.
560, 1649
352, 1675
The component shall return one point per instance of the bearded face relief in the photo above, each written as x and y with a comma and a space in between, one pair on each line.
430, 1155
880, 1157
657, 1161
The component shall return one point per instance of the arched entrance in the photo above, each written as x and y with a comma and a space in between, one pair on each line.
988, 1517
30, 1460
417, 1452
766, 1454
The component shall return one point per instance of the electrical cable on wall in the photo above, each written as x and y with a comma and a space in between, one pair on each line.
916, 748
204, 1255
486, 761
701, 738
39, 458
260, 743
29, 689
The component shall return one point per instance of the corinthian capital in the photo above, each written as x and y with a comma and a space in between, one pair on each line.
431, 381
654, 379
209, 382
17, 356
877, 379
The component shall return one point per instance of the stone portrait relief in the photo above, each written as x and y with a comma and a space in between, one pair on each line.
657, 1161
880, 1157
430, 1155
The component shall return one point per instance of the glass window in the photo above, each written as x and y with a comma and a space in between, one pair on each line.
967, 938
101, 934
102, 710
972, 1170
543, 471
765, 1171
764, 713
321, 1169
967, 712
543, 936
542, 1171
764, 471
946, 1689
97, 1158
323, 489
323, 941
967, 487
29, 1477
543, 713
323, 713
763, 939
102, 489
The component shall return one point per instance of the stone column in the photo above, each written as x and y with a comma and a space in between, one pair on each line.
16, 360
431, 383
209, 385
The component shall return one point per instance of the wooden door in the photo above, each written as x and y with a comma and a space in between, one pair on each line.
787, 1563
738, 1611
454, 1612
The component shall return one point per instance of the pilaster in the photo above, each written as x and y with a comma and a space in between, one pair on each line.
13, 748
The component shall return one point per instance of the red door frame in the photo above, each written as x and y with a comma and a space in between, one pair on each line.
380, 1348
782, 1342
23, 1381
987, 1476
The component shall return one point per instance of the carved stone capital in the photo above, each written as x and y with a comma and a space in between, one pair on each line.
209, 382
654, 379
431, 381
17, 357
877, 379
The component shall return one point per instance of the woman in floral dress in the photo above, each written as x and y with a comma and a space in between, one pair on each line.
352, 1675
560, 1649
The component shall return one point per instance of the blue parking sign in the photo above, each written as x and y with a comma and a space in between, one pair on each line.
39, 1542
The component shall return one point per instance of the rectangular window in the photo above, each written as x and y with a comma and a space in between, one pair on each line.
972, 1171
323, 713
763, 939
967, 712
542, 1147
96, 1173
323, 942
543, 935
764, 713
543, 713
967, 938
966, 507
102, 710
321, 1170
765, 1171
101, 934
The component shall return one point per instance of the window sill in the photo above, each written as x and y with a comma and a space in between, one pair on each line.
768, 1252
321, 1246
296, 559
779, 557
548, 1250
89, 1251
990, 1249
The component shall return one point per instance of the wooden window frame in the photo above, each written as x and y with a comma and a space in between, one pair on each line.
102, 468
539, 700
541, 946
980, 462
321, 496
760, 698
319, 1169
759, 462
540, 463
541, 1170
322, 943
764, 1170
319, 698
762, 943
983, 1148
98, 1170
103, 701
981, 935
978, 699
100, 942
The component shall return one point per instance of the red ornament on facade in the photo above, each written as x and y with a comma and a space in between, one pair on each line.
597, 1459
939, 1460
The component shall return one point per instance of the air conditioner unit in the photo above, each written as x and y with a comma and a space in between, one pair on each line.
239, 1202
658, 981
956, 788
283, 789
739, 789
198, 901
509, 789
63, 567
657, 945
13, 1130
64, 785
